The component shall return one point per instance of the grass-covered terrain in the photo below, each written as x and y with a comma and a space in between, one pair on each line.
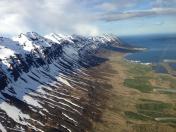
140, 83
138, 100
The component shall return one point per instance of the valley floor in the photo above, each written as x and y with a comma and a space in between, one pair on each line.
136, 99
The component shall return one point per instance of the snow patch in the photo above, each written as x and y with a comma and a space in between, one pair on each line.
14, 113
2, 128
64, 81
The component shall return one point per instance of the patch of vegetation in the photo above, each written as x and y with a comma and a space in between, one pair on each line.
168, 93
171, 120
140, 83
149, 110
168, 78
154, 109
154, 114
149, 100
173, 83
136, 116
138, 69
154, 106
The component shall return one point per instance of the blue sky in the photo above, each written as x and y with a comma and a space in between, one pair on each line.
88, 17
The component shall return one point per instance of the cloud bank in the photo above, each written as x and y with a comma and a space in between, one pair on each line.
115, 16
74, 16
63, 16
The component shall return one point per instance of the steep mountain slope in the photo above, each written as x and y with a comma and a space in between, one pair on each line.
44, 84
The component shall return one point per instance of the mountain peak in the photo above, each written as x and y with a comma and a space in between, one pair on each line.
35, 73
58, 38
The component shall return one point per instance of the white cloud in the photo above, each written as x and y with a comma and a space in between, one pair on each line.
108, 6
86, 30
11, 24
115, 5
44, 16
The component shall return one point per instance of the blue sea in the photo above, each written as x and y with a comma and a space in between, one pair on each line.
159, 48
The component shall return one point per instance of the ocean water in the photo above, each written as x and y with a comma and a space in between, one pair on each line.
160, 48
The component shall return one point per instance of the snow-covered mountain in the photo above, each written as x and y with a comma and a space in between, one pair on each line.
43, 81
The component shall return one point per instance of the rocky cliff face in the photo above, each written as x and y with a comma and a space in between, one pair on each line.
44, 84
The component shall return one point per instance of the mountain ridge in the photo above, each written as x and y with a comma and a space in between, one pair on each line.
38, 76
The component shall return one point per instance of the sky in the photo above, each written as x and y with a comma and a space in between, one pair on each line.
88, 17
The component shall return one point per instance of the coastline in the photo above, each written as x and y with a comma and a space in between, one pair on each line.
164, 66
122, 109
133, 61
